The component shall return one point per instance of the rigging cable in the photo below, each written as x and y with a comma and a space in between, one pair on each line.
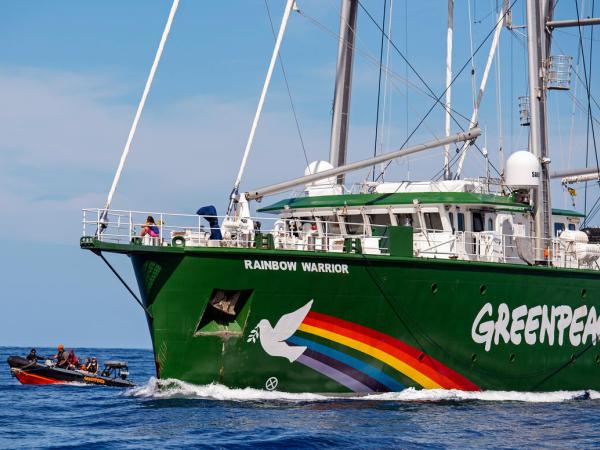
412, 68
373, 60
406, 74
573, 108
432, 95
458, 74
123, 282
287, 85
590, 122
385, 138
379, 85
473, 82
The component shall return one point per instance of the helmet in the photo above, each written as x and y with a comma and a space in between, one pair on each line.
61, 347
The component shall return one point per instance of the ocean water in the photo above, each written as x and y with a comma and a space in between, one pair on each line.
173, 414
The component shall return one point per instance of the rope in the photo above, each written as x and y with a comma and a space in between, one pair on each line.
124, 283
379, 85
590, 121
140, 108
287, 85
373, 59
381, 290
473, 81
569, 362
384, 138
412, 68
458, 74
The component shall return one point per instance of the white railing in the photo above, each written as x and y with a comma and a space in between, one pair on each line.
490, 246
125, 227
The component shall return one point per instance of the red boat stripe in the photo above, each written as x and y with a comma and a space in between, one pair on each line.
30, 378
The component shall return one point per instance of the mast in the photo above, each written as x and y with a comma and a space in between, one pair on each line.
448, 86
538, 47
343, 86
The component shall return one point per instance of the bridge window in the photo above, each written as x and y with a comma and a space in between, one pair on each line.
380, 219
433, 222
572, 227
461, 221
331, 225
354, 224
477, 222
558, 228
408, 220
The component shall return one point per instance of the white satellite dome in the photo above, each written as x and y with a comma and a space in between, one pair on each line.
316, 167
522, 171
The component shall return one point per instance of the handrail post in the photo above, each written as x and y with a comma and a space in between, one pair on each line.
161, 236
130, 227
98, 224
199, 225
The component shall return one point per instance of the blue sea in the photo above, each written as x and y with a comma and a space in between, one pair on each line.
173, 414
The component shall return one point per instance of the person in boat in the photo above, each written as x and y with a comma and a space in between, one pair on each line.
85, 365
61, 357
93, 366
71, 359
150, 228
33, 356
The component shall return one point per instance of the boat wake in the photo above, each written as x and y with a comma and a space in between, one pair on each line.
438, 395
172, 388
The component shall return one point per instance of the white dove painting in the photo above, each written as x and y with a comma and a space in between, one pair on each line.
273, 339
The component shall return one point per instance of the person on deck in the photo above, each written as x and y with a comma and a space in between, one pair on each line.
93, 366
61, 357
33, 357
150, 228
72, 359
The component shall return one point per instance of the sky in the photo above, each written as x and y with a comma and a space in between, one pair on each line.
72, 73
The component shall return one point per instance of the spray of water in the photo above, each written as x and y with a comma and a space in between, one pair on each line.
171, 388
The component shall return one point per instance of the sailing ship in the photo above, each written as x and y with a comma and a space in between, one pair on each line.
454, 284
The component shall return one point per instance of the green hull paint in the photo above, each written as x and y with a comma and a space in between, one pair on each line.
428, 304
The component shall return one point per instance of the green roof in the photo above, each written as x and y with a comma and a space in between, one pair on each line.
566, 212
406, 198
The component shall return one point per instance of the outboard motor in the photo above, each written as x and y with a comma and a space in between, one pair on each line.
210, 214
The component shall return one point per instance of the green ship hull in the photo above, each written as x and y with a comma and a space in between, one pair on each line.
348, 322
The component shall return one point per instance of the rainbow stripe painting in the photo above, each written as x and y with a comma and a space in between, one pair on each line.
359, 376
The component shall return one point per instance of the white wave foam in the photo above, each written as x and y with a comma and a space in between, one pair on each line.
436, 395
172, 388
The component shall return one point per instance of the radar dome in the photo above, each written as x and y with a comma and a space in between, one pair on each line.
316, 167
522, 170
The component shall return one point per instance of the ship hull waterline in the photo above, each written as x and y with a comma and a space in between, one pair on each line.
353, 323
